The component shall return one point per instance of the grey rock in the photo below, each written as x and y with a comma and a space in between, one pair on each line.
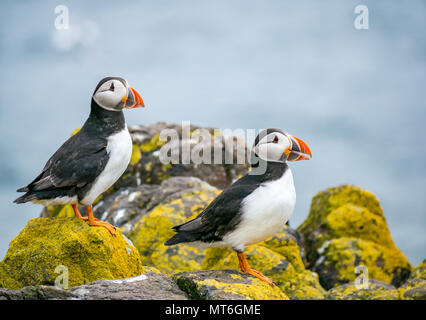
36, 293
149, 286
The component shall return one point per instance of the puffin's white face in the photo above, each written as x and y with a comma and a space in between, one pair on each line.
271, 146
277, 146
114, 94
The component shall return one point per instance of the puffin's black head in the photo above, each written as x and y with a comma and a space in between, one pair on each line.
277, 146
114, 94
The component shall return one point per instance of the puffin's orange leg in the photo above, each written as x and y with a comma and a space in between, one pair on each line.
96, 222
245, 267
77, 213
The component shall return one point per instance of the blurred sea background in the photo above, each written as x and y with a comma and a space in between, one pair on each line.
357, 97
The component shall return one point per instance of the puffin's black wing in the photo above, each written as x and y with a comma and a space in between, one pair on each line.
75, 164
219, 218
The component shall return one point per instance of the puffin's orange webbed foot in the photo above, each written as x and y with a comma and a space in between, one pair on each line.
78, 214
260, 276
108, 226
92, 220
95, 222
245, 267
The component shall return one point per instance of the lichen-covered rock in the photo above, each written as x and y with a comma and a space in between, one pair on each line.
226, 285
339, 258
146, 167
148, 286
346, 228
277, 258
176, 200
376, 290
87, 253
420, 271
415, 287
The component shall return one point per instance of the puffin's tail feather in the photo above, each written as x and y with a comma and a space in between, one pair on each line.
25, 198
46, 194
23, 189
182, 236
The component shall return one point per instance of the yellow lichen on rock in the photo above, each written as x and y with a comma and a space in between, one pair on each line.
257, 290
226, 284
415, 287
420, 271
75, 131
350, 220
374, 290
153, 144
65, 210
285, 244
87, 253
324, 202
136, 154
345, 228
344, 254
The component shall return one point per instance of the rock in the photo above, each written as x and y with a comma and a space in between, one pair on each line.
148, 286
346, 228
339, 258
146, 167
126, 207
415, 287
175, 201
226, 285
420, 271
36, 293
67, 245
277, 258
152, 285
59, 211
376, 290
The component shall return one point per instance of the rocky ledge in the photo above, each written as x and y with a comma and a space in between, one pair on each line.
343, 250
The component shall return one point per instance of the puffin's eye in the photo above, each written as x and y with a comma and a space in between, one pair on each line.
112, 87
275, 140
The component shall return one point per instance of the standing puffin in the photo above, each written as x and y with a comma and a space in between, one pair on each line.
90, 161
256, 206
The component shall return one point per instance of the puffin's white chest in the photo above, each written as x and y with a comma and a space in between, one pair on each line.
264, 212
119, 149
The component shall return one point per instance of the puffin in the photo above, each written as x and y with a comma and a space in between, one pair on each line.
254, 207
91, 160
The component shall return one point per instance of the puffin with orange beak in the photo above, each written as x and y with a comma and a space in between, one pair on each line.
90, 161
256, 206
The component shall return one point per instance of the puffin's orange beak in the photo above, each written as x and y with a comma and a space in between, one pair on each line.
298, 149
133, 99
